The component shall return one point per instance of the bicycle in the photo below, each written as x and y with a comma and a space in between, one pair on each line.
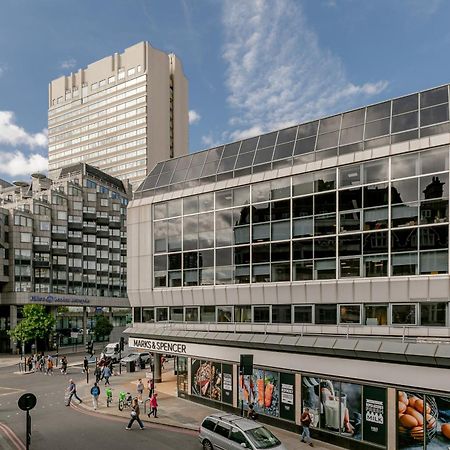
108, 392
125, 400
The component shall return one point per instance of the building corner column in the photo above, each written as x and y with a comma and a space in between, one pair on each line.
12, 325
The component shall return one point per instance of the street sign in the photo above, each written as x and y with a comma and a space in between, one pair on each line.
74, 334
27, 402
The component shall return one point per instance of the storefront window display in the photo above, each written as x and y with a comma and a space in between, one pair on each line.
423, 421
335, 406
212, 380
182, 374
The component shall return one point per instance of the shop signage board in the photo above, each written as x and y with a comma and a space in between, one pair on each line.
374, 414
154, 345
287, 396
227, 383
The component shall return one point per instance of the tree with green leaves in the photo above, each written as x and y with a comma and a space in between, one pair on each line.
36, 324
103, 327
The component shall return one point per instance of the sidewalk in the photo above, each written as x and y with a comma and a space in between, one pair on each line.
173, 411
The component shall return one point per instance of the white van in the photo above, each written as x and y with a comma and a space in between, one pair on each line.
112, 351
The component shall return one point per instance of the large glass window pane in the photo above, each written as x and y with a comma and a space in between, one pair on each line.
329, 124
404, 122
206, 202
326, 314
174, 238
160, 263
241, 196
404, 191
160, 210
350, 135
434, 262
350, 314
375, 219
242, 274
207, 314
434, 211
148, 314
175, 279
261, 273
246, 159
376, 314
405, 166
302, 270
224, 199
281, 314
375, 266
175, 261
302, 249
261, 253
350, 199
162, 314
434, 160
434, 186
190, 204
405, 215
432, 238
403, 314
325, 224
325, 203
243, 313
176, 314
378, 111
281, 210
350, 176
280, 188
287, 135
261, 192
283, 151
302, 206
191, 314
433, 314
405, 104
281, 251
305, 146
375, 242
225, 314
349, 221
350, 245
303, 314
303, 184
404, 240
433, 115
242, 255
434, 97
307, 129
223, 256
206, 258
160, 279
174, 208
281, 272
404, 264
325, 269
261, 213
190, 260
349, 267
242, 235
327, 140
190, 277
325, 180
160, 236
248, 145
376, 195
377, 128
303, 227
206, 277
261, 232
261, 314
375, 171
353, 118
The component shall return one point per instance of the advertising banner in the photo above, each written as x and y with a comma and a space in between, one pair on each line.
374, 415
227, 383
287, 396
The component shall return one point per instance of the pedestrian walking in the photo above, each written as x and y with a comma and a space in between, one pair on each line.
72, 390
154, 406
41, 363
64, 365
30, 363
85, 364
135, 411
95, 392
140, 389
150, 387
306, 420
106, 374
97, 373
50, 366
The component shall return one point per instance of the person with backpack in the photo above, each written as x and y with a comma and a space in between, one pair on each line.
95, 392
106, 374
306, 420
135, 411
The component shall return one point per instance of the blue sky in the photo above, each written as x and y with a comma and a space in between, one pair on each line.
252, 66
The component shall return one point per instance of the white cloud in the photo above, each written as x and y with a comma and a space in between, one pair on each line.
13, 134
68, 64
194, 117
277, 72
16, 163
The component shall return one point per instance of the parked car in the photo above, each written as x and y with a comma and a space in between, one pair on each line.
137, 358
232, 432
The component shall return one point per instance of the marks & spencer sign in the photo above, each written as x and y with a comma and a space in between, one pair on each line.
154, 345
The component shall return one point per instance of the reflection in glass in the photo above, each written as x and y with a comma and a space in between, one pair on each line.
261, 273
281, 314
376, 266
305, 146
242, 274
350, 314
326, 314
350, 245
434, 262
243, 313
302, 206
350, 199
325, 269
325, 224
303, 184
349, 221
376, 195
377, 128
376, 314
403, 314
434, 186
434, 160
191, 314
375, 242
325, 180
350, 175
404, 122
378, 111
433, 314
303, 314
404, 240
303, 227
303, 270
261, 314
325, 203
307, 129
375, 171
404, 264
404, 215
281, 230
349, 267
375, 219
405, 104
433, 115
281, 272
434, 211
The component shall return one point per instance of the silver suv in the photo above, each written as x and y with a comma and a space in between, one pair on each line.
232, 432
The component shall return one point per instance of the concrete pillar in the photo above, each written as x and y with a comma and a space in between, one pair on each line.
85, 315
12, 324
157, 367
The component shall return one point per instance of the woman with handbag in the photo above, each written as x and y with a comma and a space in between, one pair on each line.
135, 411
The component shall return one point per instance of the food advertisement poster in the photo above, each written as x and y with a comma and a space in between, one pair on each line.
287, 396
423, 421
227, 383
261, 389
334, 406
206, 379
374, 415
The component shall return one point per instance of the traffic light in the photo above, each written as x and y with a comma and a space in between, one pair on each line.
91, 348
122, 344
55, 341
88, 347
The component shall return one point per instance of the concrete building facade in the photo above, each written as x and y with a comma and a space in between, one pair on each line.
121, 114
63, 243
322, 250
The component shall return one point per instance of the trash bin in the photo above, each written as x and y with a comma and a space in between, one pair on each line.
142, 364
131, 366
